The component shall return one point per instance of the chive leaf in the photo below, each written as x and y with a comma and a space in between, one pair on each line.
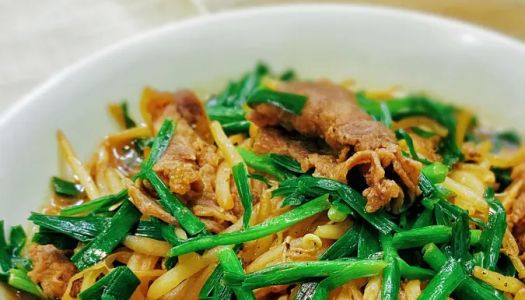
240, 176
288, 102
66, 188
95, 204
119, 284
268, 227
104, 243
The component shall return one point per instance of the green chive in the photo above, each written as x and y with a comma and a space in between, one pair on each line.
128, 121
286, 162
20, 281
266, 164
293, 272
105, 242
343, 247
240, 176
188, 221
254, 232
418, 237
361, 268
119, 284
391, 274
5, 257
298, 190
215, 288
288, 102
17, 240
492, 236
445, 282
160, 144
95, 204
66, 188
231, 264
467, 288
83, 229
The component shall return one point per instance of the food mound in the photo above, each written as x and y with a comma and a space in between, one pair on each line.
281, 188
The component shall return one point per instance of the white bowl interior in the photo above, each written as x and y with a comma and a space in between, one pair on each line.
378, 47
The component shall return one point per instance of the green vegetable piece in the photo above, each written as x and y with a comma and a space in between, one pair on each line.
260, 178
119, 284
391, 274
423, 133
227, 107
412, 272
17, 240
231, 264
445, 282
189, 222
168, 233
401, 134
291, 103
20, 281
503, 177
435, 172
343, 247
237, 91
460, 239
345, 274
240, 176
368, 242
104, 243
66, 188
420, 236
95, 204
83, 229
61, 241
215, 288
5, 257
226, 115
128, 121
151, 228
469, 288
386, 117
161, 142
492, 236
419, 106
438, 234
509, 138
236, 127
264, 164
287, 75
300, 189
286, 162
254, 232
424, 219
293, 272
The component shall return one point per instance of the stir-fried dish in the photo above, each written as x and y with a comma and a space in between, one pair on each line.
281, 188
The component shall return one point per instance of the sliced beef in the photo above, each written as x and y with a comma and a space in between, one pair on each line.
324, 164
51, 269
332, 114
189, 164
147, 206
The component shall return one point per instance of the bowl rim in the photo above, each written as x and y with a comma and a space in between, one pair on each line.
70, 70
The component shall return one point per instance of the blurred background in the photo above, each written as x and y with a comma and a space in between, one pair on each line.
39, 38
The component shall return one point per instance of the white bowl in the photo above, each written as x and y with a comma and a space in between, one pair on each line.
377, 46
